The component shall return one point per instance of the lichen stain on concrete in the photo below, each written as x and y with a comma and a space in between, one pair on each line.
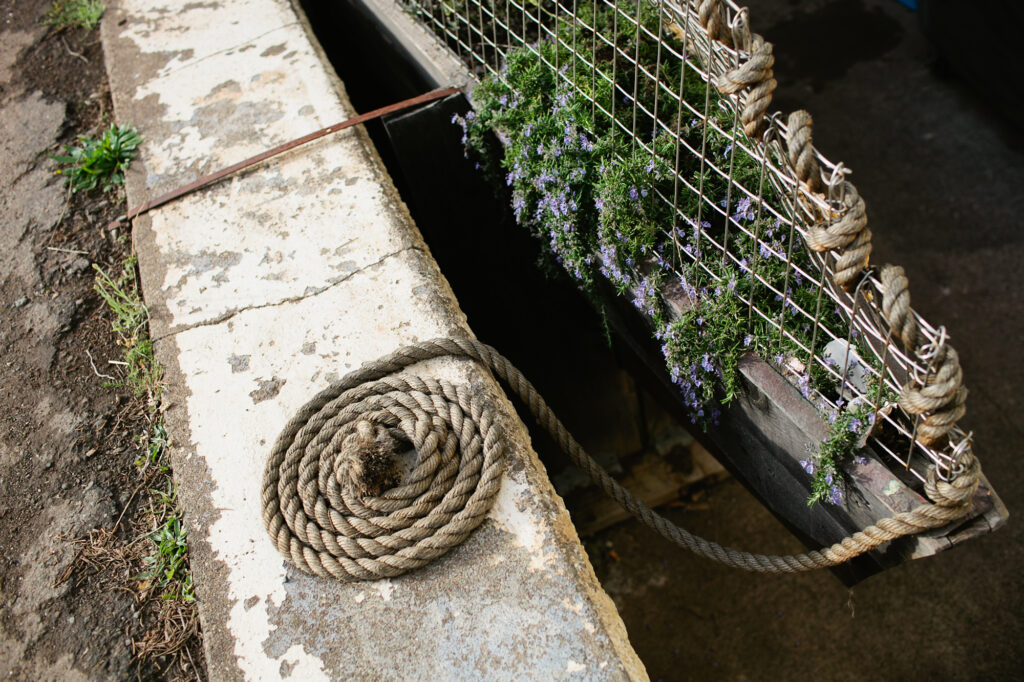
268, 388
204, 261
228, 90
237, 122
274, 50
239, 363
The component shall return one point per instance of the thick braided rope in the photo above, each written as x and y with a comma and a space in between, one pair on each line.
711, 14
321, 517
942, 397
319, 507
754, 75
800, 145
848, 235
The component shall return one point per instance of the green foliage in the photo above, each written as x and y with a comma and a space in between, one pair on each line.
168, 566
155, 444
141, 372
69, 13
610, 209
849, 427
101, 163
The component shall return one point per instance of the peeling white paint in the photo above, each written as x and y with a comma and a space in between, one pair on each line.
385, 588
574, 667
304, 667
508, 512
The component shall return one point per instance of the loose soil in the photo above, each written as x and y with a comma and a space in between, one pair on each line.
72, 528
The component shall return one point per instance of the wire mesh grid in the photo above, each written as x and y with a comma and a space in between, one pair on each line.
647, 54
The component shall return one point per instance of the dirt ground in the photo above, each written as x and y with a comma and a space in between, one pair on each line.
72, 497
941, 174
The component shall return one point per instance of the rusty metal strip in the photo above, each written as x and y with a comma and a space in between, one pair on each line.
280, 149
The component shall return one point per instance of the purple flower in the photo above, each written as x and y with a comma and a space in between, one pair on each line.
808, 465
835, 495
855, 425
747, 340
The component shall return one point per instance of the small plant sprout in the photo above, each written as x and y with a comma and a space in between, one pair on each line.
168, 567
99, 163
70, 13
141, 372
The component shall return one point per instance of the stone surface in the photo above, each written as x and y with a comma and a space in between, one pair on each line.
265, 288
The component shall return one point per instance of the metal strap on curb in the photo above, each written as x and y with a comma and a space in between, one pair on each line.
210, 179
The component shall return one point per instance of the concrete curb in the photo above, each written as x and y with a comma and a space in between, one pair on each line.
264, 288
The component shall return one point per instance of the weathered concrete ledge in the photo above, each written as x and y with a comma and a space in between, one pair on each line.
263, 289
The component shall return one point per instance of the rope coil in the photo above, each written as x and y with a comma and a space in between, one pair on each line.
333, 505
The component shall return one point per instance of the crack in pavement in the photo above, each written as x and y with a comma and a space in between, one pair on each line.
227, 315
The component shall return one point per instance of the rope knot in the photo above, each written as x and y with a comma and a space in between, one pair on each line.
754, 75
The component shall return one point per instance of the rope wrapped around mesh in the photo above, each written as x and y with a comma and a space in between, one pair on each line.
940, 398
334, 505
755, 75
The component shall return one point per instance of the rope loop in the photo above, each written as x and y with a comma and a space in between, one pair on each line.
711, 14
335, 504
333, 499
848, 235
756, 76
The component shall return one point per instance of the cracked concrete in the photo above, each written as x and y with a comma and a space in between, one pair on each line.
315, 291
263, 289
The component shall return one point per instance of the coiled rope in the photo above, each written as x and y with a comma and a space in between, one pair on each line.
333, 504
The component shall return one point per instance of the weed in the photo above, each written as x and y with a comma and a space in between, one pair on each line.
141, 372
69, 13
155, 444
168, 568
96, 163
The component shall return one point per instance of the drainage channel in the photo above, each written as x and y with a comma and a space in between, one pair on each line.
530, 312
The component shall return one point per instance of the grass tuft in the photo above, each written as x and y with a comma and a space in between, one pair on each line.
99, 162
141, 372
70, 13
168, 569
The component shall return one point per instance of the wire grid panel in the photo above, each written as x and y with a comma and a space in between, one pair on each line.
648, 56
